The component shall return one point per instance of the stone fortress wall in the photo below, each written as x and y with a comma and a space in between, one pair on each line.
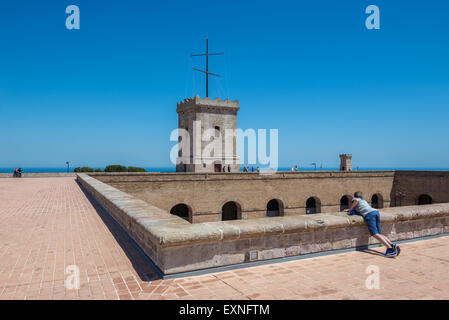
411, 187
175, 245
206, 194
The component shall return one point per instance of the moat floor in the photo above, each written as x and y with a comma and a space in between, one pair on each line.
47, 224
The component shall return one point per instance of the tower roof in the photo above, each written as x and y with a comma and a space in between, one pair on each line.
207, 102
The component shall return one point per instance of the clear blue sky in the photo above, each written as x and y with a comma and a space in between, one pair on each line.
107, 93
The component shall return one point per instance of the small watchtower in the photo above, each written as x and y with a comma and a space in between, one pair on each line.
345, 162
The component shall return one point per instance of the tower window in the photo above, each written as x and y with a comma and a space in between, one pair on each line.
217, 131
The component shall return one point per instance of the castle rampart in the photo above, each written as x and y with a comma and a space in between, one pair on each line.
176, 245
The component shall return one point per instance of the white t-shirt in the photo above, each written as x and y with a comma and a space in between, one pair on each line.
362, 207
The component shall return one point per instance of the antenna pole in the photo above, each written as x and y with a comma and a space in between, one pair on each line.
207, 54
207, 67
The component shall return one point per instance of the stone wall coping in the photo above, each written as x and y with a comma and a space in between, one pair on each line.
319, 172
168, 177
167, 230
301, 172
422, 172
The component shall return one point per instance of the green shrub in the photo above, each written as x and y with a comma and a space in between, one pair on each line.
98, 170
136, 169
119, 168
83, 169
115, 168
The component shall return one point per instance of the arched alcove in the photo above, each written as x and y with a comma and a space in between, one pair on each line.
344, 203
182, 210
313, 205
275, 208
424, 199
230, 211
377, 201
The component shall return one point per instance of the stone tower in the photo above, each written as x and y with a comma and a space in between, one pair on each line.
346, 162
208, 141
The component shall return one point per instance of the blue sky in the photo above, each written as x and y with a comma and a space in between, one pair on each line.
107, 93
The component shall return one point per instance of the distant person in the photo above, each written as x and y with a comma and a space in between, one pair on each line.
296, 168
292, 169
19, 173
229, 168
258, 169
224, 168
252, 169
15, 173
372, 220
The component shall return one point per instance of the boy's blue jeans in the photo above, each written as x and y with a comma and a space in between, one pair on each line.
372, 221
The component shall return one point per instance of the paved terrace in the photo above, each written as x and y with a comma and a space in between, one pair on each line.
47, 224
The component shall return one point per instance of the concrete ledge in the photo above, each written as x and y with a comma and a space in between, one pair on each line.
175, 245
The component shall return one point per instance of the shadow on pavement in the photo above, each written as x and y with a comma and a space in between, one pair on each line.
142, 264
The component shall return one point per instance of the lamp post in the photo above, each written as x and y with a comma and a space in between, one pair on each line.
68, 166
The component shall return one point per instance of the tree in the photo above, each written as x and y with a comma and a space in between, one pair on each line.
83, 169
115, 168
136, 169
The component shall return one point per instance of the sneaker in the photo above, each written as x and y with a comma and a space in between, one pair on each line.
390, 253
396, 248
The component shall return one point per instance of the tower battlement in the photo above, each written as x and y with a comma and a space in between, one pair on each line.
207, 102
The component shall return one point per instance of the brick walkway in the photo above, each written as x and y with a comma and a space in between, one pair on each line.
47, 224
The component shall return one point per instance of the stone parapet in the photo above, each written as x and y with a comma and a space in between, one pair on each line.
175, 245
201, 176
189, 103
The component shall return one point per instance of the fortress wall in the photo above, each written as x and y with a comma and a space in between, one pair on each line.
207, 193
416, 183
175, 245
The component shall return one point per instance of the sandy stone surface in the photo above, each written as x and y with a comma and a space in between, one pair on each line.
48, 224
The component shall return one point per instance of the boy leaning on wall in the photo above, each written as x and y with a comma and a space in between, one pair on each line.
372, 219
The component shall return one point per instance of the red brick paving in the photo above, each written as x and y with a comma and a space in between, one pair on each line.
47, 224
